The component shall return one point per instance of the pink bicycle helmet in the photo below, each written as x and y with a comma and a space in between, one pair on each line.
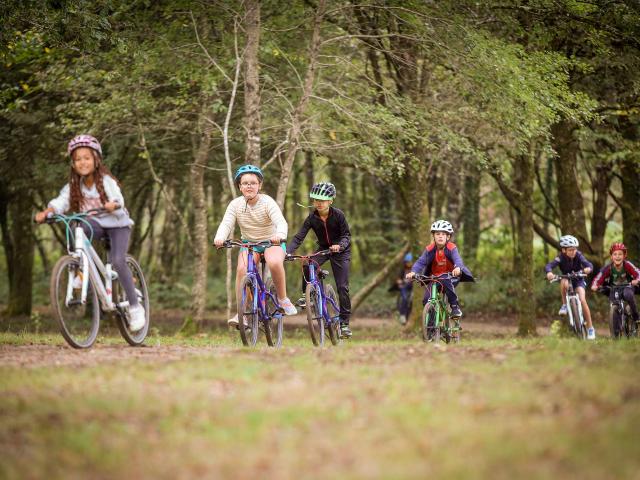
84, 141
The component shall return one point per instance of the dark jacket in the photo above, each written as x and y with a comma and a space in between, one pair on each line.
335, 231
423, 265
569, 265
603, 275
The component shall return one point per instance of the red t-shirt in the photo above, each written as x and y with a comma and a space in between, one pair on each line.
441, 263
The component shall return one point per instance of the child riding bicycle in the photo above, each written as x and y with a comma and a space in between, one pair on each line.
260, 219
332, 231
619, 272
571, 260
91, 185
440, 257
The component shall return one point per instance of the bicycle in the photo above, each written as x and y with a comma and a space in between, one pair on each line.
620, 321
323, 311
574, 305
258, 302
78, 310
436, 323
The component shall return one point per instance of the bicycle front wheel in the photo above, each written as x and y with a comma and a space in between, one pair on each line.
248, 313
579, 327
334, 315
615, 320
430, 331
78, 322
315, 321
274, 325
133, 338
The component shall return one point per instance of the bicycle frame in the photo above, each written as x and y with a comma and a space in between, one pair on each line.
313, 280
260, 293
436, 299
570, 295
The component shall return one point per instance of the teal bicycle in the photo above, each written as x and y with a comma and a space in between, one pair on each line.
436, 323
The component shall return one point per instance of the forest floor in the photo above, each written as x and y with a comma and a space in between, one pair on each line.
383, 405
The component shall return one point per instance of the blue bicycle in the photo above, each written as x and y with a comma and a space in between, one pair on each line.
257, 302
323, 311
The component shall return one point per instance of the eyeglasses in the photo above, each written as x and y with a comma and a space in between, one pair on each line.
251, 184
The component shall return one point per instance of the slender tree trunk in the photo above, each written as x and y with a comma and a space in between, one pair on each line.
572, 215
524, 181
296, 121
200, 247
252, 83
601, 184
471, 213
630, 204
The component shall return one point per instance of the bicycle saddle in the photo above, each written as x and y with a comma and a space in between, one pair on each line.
323, 273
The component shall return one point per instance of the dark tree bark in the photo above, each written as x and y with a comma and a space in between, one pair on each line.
471, 213
572, 215
630, 205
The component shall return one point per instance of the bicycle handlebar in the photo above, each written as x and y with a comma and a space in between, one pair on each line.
60, 217
568, 276
431, 278
250, 245
309, 256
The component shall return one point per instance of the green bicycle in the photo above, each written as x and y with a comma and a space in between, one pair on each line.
436, 323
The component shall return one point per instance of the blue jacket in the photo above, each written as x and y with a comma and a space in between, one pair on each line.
568, 265
423, 264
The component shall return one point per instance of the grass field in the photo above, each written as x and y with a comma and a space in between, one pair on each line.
385, 407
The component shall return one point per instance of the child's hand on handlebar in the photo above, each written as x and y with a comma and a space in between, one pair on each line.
594, 288
42, 216
456, 272
550, 276
334, 248
111, 206
218, 242
410, 275
635, 282
276, 240
587, 270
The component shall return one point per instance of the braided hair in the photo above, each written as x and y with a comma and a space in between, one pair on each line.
75, 192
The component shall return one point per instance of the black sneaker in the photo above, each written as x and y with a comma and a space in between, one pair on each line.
302, 302
345, 331
456, 312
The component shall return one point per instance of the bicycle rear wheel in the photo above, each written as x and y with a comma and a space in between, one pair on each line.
119, 295
79, 323
334, 315
315, 322
579, 328
274, 326
248, 313
430, 331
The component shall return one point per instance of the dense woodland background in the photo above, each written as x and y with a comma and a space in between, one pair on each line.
515, 120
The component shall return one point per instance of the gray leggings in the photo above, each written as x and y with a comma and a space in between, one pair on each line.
119, 238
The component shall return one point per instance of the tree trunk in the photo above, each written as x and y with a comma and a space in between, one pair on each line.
572, 215
526, 309
296, 118
601, 184
630, 205
471, 213
200, 247
252, 83
20, 254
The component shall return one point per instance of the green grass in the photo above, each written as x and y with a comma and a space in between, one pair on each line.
385, 408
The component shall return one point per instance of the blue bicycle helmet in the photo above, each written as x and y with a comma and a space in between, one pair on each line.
408, 257
247, 169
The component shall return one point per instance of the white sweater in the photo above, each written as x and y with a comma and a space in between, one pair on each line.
258, 223
117, 218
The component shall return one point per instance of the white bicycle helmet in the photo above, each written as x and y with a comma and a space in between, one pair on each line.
442, 226
567, 241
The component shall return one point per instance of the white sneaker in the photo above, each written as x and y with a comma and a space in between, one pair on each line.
137, 318
591, 333
289, 308
233, 321
563, 310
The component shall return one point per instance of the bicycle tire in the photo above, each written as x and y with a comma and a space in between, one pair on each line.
315, 321
430, 331
578, 322
334, 325
79, 324
274, 325
614, 322
134, 339
248, 313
